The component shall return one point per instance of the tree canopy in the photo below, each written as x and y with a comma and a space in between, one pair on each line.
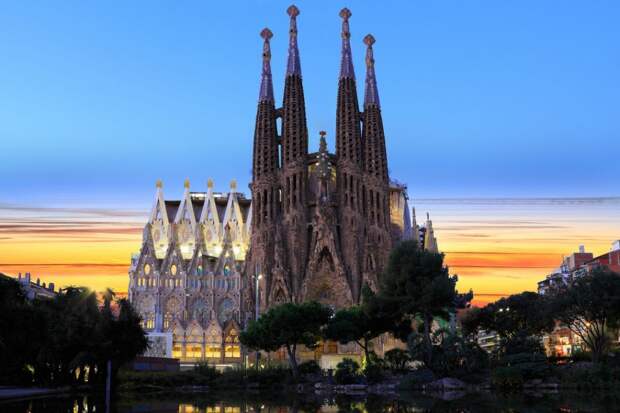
590, 307
417, 286
358, 323
56, 341
287, 325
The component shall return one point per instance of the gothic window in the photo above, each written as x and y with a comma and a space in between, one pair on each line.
168, 317
200, 310
214, 345
232, 349
225, 311
226, 269
199, 270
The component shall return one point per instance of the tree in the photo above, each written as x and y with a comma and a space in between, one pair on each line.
53, 342
287, 325
590, 307
526, 313
416, 286
358, 323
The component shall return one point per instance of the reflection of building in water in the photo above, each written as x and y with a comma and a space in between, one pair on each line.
187, 277
216, 408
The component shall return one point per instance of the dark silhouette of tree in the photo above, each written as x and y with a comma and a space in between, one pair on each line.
287, 325
67, 339
417, 286
589, 308
358, 323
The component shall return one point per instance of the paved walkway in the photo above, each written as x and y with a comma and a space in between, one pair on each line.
24, 392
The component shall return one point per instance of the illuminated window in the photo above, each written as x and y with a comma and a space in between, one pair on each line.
231, 345
177, 352
168, 319
213, 409
232, 410
193, 350
226, 269
214, 345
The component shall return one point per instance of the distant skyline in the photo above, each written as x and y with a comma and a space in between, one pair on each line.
481, 101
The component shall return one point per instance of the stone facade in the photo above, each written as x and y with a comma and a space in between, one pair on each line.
325, 222
319, 227
187, 278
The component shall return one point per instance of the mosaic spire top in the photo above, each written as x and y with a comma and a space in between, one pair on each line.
293, 66
346, 64
266, 83
371, 94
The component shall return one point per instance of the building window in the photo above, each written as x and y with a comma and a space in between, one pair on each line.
177, 352
193, 350
214, 346
231, 346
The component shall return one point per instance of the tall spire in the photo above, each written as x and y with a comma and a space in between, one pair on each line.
266, 83
265, 160
293, 66
294, 129
371, 95
346, 64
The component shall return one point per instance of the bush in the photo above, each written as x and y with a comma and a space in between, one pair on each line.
373, 373
309, 367
347, 372
397, 359
507, 378
416, 378
580, 355
210, 373
529, 365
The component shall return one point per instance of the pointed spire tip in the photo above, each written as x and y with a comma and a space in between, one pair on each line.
266, 34
345, 13
159, 184
369, 40
186, 184
292, 11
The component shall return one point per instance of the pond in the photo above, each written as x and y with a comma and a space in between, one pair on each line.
205, 403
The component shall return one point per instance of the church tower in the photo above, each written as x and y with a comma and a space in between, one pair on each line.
349, 163
294, 150
376, 189
265, 185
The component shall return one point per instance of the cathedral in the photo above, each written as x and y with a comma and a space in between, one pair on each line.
319, 225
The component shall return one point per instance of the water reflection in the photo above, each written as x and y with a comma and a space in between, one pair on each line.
205, 403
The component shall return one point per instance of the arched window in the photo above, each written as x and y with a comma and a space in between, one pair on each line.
232, 348
226, 269
214, 345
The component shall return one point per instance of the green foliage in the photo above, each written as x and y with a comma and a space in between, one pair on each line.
373, 373
358, 323
207, 371
453, 354
590, 308
397, 359
347, 372
507, 378
63, 337
416, 286
416, 379
287, 325
521, 344
309, 367
526, 313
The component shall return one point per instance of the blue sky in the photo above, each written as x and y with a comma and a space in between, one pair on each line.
480, 98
